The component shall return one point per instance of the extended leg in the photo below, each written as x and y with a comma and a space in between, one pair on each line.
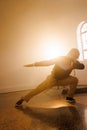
48, 83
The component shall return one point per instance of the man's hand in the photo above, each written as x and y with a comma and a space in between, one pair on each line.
29, 65
78, 65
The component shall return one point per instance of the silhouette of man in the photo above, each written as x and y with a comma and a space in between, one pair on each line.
60, 75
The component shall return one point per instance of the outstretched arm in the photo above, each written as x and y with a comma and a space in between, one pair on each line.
42, 63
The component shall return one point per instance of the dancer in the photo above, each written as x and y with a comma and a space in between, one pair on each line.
60, 75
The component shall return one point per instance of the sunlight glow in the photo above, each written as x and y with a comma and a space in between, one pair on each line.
52, 48
53, 104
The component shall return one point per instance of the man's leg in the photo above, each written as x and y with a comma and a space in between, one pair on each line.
72, 82
47, 84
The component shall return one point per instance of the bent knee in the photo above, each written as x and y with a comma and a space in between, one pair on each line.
75, 80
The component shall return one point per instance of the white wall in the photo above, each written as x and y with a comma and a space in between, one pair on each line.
24, 26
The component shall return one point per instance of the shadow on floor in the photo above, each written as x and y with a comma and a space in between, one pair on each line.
63, 118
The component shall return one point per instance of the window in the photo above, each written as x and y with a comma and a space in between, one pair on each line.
82, 40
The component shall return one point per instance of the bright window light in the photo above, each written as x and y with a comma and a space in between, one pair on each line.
82, 39
52, 47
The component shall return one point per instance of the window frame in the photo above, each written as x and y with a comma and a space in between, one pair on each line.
82, 39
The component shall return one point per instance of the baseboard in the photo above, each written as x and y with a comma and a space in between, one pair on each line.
14, 88
80, 89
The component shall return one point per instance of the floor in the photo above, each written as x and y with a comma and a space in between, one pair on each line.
47, 111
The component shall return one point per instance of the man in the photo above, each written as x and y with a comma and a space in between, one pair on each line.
60, 75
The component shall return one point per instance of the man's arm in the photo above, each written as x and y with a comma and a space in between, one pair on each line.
42, 63
78, 65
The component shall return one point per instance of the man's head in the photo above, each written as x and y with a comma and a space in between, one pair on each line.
73, 53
